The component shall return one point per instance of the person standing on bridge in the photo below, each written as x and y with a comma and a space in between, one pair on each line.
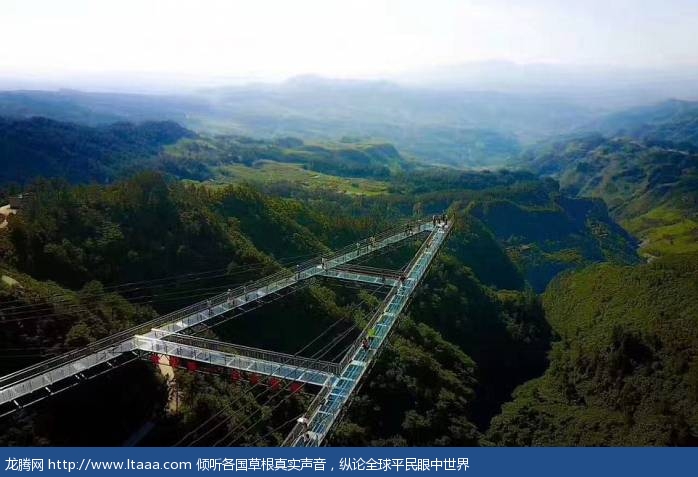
311, 438
372, 334
303, 421
433, 220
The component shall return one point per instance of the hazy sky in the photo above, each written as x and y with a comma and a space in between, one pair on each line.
271, 39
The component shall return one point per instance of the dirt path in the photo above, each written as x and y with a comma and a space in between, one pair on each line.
168, 372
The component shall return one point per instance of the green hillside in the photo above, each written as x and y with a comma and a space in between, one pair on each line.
624, 372
563, 233
139, 220
73, 240
510, 205
225, 157
672, 123
40, 147
650, 189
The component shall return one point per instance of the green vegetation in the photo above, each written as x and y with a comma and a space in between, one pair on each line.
650, 189
268, 173
669, 124
81, 237
40, 147
419, 393
666, 230
504, 332
605, 356
36, 325
439, 382
565, 233
624, 372
221, 156
508, 203
136, 230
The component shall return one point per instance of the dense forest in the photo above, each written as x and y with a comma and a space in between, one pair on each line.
40, 147
624, 371
538, 323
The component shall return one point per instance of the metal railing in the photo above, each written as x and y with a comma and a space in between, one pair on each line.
379, 272
248, 352
63, 370
234, 361
299, 429
358, 342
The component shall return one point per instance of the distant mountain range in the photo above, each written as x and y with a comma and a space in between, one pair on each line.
603, 87
475, 129
645, 167
449, 125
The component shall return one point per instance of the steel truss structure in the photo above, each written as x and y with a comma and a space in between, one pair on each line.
167, 335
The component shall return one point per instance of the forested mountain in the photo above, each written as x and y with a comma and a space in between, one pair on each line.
87, 237
511, 205
40, 147
95, 109
225, 157
672, 123
539, 290
624, 371
650, 189
81, 237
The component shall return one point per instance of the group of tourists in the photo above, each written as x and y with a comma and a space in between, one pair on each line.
438, 220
